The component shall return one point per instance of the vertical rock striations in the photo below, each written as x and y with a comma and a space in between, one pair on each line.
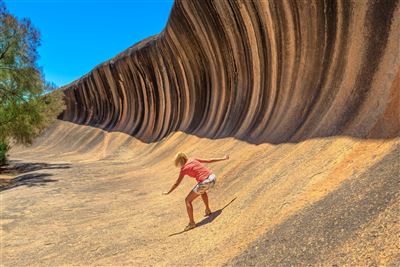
260, 71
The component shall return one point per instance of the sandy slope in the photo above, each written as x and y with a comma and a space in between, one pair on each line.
314, 83
98, 201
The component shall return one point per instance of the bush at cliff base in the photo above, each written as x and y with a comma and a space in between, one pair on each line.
28, 104
3, 153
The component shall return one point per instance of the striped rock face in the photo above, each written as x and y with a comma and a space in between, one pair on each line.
259, 71
303, 95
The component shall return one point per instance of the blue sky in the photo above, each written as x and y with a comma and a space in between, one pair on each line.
77, 35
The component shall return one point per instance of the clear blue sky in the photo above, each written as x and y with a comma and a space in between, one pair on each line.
77, 35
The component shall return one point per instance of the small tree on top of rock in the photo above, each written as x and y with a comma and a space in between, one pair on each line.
27, 103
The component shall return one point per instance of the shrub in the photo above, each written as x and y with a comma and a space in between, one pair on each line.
3, 152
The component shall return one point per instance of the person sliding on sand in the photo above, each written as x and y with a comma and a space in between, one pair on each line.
204, 177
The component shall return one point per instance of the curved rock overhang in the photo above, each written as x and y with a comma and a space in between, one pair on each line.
259, 71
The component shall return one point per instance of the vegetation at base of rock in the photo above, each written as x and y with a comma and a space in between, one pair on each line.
28, 104
3, 153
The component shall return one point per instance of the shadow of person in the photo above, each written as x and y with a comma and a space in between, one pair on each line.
208, 219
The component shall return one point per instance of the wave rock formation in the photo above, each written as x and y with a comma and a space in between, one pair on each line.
303, 95
259, 71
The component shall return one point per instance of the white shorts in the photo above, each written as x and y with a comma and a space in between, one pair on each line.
205, 185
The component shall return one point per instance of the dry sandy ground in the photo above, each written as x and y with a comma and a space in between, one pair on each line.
94, 198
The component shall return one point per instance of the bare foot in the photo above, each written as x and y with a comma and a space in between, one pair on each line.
190, 226
207, 212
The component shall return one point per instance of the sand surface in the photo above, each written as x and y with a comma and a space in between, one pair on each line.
303, 95
94, 198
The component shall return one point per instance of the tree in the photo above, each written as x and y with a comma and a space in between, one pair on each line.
28, 104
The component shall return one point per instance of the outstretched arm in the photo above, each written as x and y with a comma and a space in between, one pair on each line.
213, 159
178, 181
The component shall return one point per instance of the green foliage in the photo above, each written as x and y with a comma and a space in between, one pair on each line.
3, 153
27, 103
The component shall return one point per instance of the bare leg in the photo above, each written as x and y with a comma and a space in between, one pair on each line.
188, 200
204, 196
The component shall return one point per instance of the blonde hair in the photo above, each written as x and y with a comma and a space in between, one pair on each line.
180, 159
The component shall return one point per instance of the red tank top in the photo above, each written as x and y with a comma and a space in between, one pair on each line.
195, 169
